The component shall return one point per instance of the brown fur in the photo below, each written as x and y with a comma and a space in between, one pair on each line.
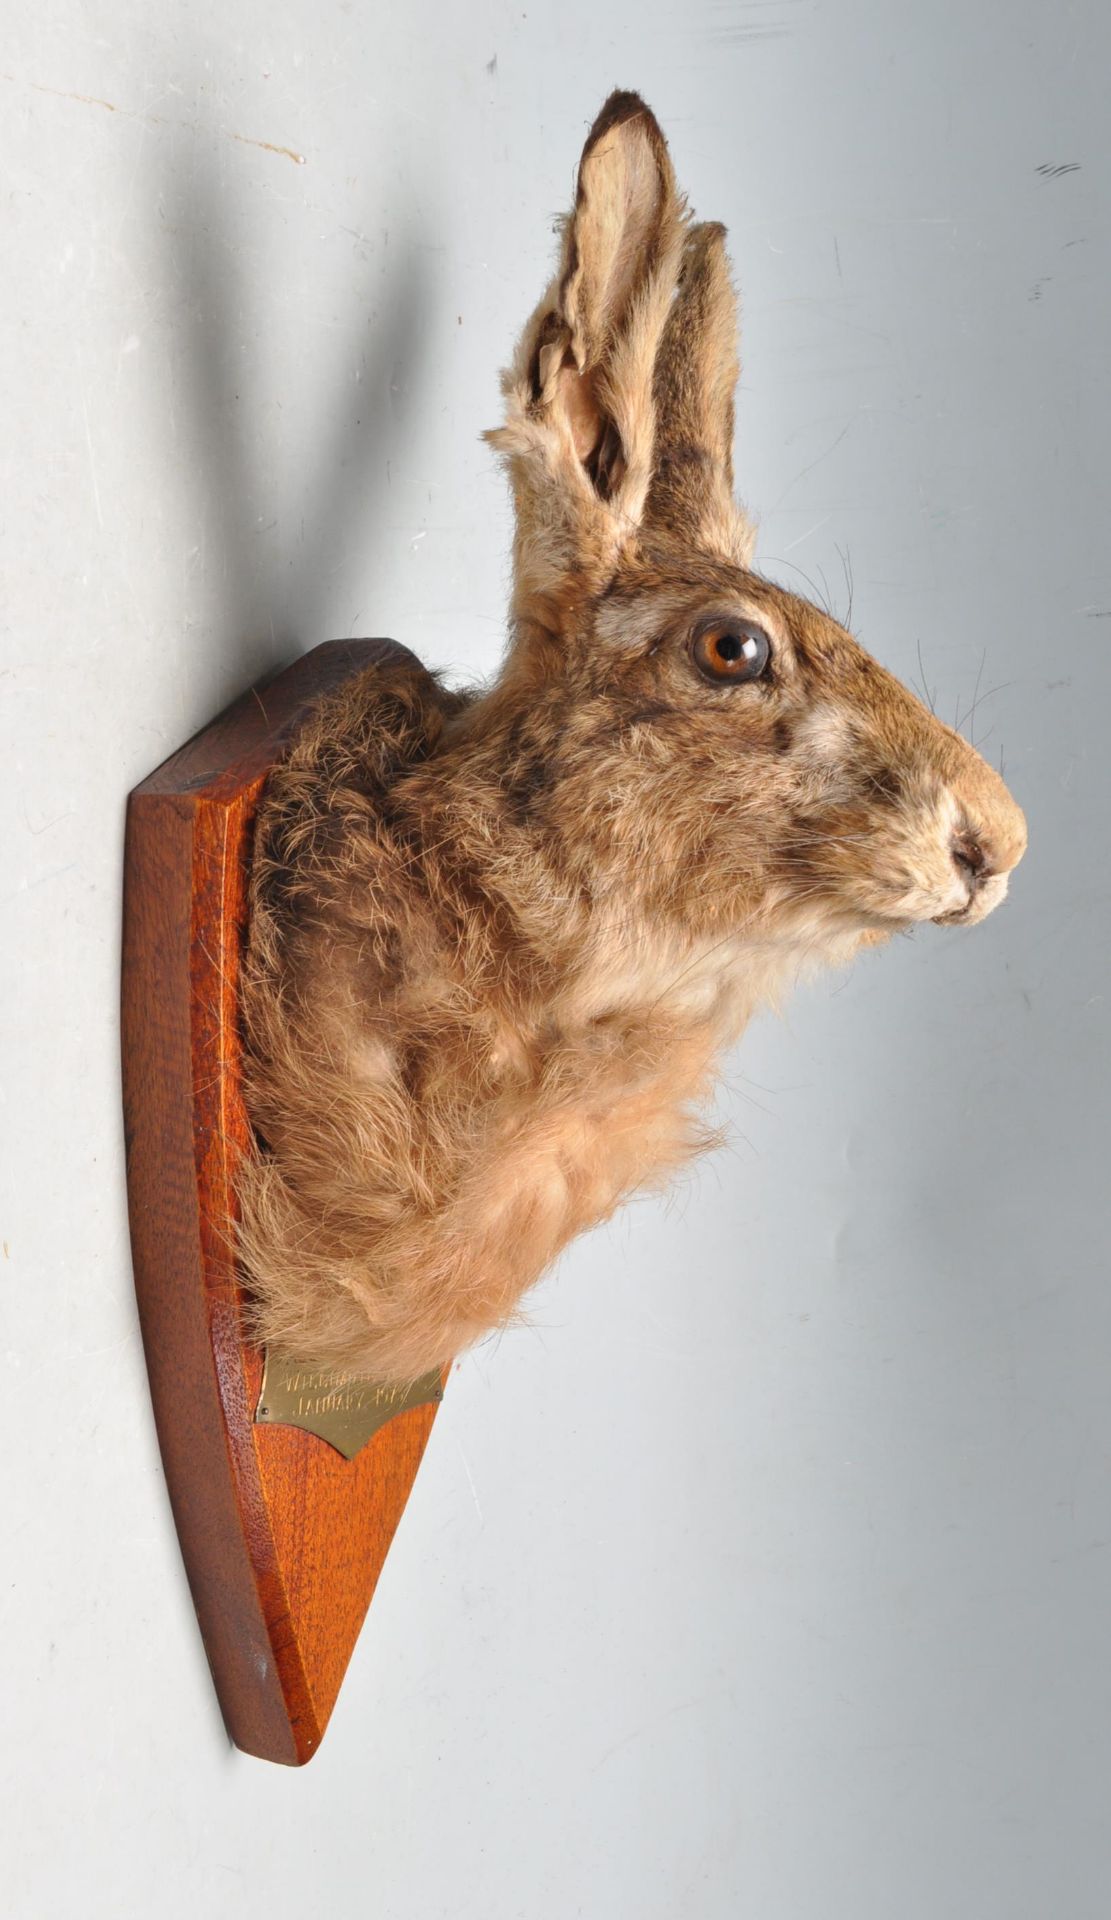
497, 943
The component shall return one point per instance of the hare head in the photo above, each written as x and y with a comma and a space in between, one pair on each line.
736, 759
498, 941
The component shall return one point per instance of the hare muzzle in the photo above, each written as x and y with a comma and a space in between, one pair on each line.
974, 834
987, 843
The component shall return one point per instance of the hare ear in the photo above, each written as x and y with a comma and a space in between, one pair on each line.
603, 332
579, 416
690, 497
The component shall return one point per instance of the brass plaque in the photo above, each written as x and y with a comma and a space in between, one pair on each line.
338, 1407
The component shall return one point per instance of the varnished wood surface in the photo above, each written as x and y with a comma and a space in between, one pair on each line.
283, 1539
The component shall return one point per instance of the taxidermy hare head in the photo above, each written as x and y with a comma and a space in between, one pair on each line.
498, 942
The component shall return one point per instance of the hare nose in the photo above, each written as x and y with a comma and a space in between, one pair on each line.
970, 858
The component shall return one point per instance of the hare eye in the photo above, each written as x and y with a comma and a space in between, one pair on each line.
736, 651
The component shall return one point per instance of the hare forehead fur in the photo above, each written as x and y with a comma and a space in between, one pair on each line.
498, 941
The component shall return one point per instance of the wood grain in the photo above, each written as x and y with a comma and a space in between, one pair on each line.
283, 1539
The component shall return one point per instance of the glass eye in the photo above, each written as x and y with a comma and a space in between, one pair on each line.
731, 650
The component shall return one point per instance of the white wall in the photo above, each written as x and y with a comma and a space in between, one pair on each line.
770, 1575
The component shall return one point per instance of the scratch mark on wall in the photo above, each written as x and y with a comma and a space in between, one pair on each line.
681, 1706
268, 147
813, 463
1049, 172
153, 119
69, 814
800, 537
739, 32
28, 886
87, 99
471, 1484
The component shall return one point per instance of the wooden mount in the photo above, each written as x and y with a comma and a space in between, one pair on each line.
283, 1539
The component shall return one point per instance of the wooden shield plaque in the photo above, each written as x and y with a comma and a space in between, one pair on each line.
283, 1534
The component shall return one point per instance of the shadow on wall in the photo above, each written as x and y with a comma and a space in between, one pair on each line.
271, 594
265, 593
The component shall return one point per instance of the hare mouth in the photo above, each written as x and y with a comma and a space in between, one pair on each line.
983, 898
